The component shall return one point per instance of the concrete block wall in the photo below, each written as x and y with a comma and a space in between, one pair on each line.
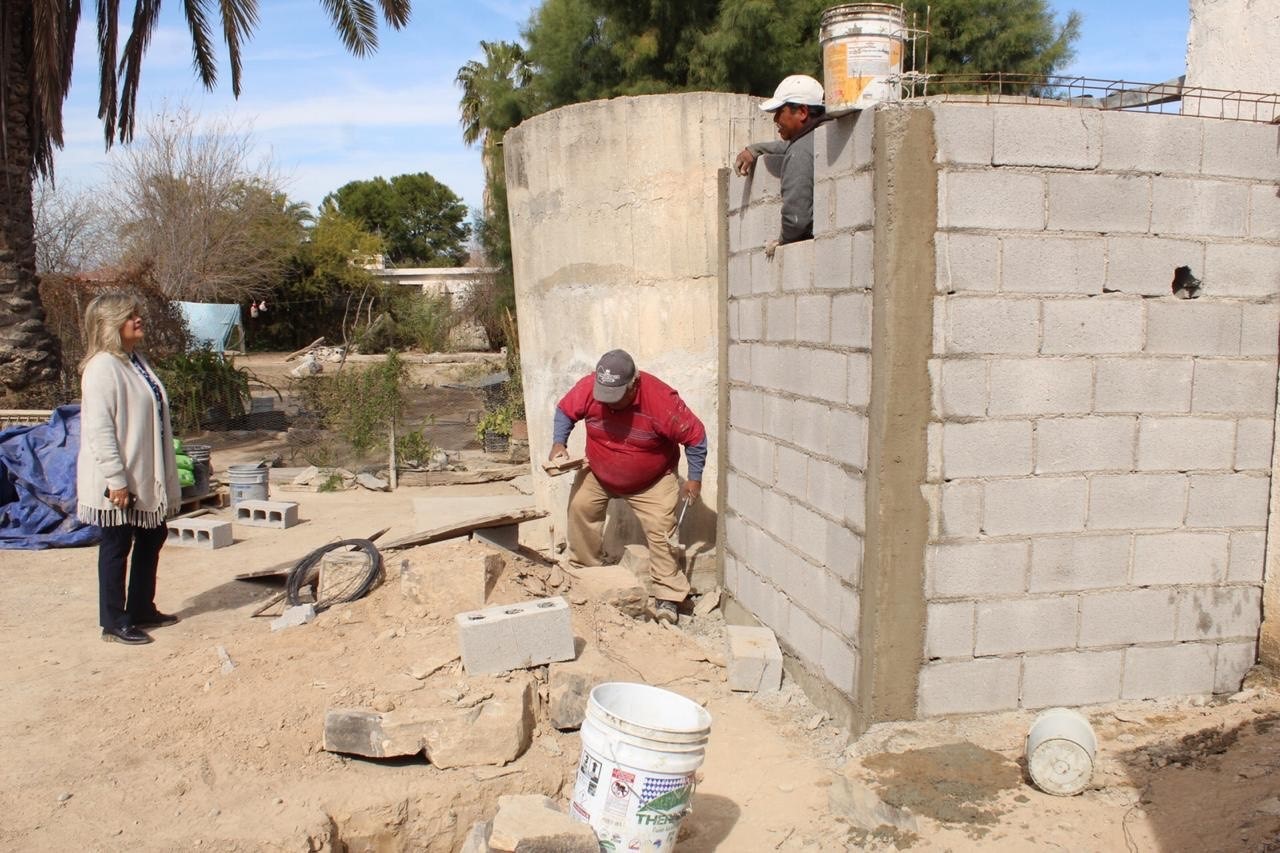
799, 378
1099, 450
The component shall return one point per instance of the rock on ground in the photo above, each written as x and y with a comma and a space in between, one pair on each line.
530, 823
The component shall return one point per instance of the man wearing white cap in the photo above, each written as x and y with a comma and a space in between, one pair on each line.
636, 425
797, 109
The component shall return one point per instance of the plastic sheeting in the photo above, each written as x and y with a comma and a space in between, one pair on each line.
214, 325
38, 485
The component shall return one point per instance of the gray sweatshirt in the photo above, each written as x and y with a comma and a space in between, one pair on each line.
797, 181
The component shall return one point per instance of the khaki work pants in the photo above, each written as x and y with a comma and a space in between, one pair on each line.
655, 509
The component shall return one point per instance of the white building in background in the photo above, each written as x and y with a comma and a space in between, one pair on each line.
457, 284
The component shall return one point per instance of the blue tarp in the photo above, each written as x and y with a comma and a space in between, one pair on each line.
38, 485
217, 326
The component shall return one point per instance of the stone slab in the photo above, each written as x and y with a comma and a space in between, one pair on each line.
613, 585
533, 823
754, 657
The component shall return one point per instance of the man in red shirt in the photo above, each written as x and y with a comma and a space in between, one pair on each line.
636, 424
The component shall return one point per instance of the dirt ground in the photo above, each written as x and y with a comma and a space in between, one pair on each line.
164, 747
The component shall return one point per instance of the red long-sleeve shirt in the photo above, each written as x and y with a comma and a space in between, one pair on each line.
629, 450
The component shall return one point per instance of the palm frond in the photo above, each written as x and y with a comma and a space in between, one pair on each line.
145, 15
53, 25
202, 56
108, 34
396, 12
239, 17
356, 24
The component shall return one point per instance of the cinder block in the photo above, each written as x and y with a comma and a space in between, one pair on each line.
959, 386
797, 265
995, 200
1060, 564
969, 687
854, 203
1264, 212
1137, 501
791, 471
949, 630
1193, 327
1180, 557
739, 362
755, 660
1245, 270
1144, 265
1143, 385
966, 262
1219, 613
750, 319
824, 487
821, 374
515, 636
278, 514
1151, 142
960, 509
843, 145
1101, 325
199, 533
992, 324
1026, 625
813, 319
1228, 500
1070, 445
1105, 203
863, 260
1071, 678
855, 515
809, 421
849, 438
1150, 673
850, 320
1128, 616
1052, 264
745, 408
1040, 386
972, 569
1248, 551
1047, 136
1259, 333
1234, 662
780, 319
1034, 505
802, 634
1239, 387
1184, 443
839, 663
833, 261
858, 366
845, 547
1198, 208
986, 449
810, 534
1244, 151
964, 133
824, 205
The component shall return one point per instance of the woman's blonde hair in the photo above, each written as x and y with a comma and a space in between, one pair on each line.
102, 321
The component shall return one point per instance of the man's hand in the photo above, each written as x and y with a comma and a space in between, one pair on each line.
558, 451
769, 248
745, 162
691, 491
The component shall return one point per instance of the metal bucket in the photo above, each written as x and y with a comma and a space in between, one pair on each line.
201, 457
248, 483
861, 51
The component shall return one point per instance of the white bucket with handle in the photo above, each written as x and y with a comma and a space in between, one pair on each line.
641, 746
1061, 748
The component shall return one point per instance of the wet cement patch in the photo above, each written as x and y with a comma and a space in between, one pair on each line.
953, 783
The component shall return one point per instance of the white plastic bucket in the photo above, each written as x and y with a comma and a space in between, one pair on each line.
248, 483
861, 51
1061, 747
640, 748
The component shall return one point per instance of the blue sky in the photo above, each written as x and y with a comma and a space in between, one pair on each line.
326, 117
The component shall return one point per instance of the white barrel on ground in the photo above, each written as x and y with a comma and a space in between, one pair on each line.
248, 483
641, 746
862, 45
1061, 747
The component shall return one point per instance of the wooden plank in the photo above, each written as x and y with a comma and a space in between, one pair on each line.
555, 469
463, 528
459, 478
287, 566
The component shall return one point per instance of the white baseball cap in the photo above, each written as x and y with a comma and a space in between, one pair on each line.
796, 89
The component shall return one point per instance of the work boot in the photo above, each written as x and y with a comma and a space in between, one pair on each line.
665, 611
129, 635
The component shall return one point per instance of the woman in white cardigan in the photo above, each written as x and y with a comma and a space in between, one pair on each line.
126, 473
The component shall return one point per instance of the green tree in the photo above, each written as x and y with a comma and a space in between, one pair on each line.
421, 219
37, 45
996, 36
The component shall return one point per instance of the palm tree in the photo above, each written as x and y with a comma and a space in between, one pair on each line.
493, 101
37, 44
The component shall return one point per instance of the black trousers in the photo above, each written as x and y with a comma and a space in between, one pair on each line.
113, 552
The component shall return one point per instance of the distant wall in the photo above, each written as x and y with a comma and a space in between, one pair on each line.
980, 456
1232, 43
615, 229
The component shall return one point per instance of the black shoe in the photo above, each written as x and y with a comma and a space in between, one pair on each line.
156, 620
129, 635
666, 611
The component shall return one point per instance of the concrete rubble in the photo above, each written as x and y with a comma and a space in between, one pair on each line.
568, 687
612, 585
754, 659
292, 617
531, 823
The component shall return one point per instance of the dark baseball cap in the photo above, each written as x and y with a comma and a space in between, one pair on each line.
614, 372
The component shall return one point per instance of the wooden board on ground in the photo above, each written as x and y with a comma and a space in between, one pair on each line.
460, 478
555, 469
219, 499
463, 528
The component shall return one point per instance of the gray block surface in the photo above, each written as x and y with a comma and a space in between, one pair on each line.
515, 636
277, 514
199, 533
755, 660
